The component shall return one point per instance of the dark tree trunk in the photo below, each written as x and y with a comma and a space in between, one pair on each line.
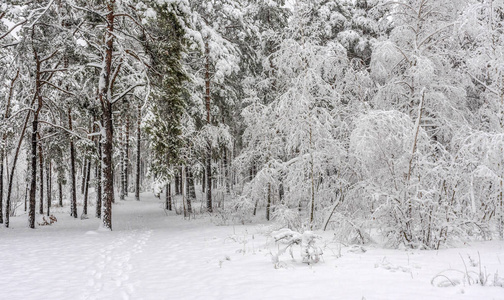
49, 187
226, 172
2, 151
26, 197
209, 147
268, 202
86, 189
121, 163
168, 198
126, 156
137, 179
41, 172
73, 192
1, 185
60, 193
177, 184
33, 182
98, 181
191, 192
84, 171
104, 95
38, 97
203, 182
108, 179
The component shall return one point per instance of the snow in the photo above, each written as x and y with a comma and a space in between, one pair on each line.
153, 255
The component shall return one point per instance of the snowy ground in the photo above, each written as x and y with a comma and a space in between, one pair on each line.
150, 255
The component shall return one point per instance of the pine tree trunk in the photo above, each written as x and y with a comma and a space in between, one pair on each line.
226, 172
268, 203
38, 97
137, 179
191, 193
203, 182
49, 187
177, 184
168, 199
1, 184
98, 181
84, 171
73, 191
2, 151
108, 179
126, 156
33, 182
121, 162
105, 95
41, 172
86, 189
60, 193
209, 147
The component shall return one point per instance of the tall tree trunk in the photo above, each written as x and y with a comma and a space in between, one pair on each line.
49, 186
209, 147
191, 193
84, 171
98, 181
41, 177
4, 139
105, 100
1, 184
33, 182
38, 97
121, 163
203, 182
137, 179
60, 193
126, 156
177, 184
73, 191
226, 172
312, 208
108, 179
268, 202
168, 198
86, 189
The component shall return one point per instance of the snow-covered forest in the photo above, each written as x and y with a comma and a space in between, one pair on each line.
328, 124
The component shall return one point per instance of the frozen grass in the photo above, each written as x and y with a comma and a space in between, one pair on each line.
151, 255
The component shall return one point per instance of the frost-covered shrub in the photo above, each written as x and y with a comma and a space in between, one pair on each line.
237, 211
310, 252
287, 217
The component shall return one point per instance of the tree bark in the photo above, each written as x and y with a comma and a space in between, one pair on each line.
137, 179
49, 187
86, 189
1, 184
191, 193
41, 177
168, 198
121, 163
209, 147
73, 192
33, 182
177, 184
226, 172
60, 193
98, 180
4, 139
84, 171
38, 97
126, 156
105, 100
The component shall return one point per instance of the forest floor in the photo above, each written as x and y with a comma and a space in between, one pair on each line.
151, 254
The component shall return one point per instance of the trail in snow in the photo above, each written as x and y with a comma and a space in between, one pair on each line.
152, 255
